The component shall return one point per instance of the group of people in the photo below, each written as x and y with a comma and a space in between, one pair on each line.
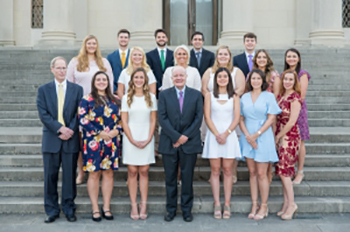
134, 105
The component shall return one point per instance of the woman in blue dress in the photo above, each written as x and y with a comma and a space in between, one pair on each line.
258, 112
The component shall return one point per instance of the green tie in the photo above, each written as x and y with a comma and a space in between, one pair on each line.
162, 59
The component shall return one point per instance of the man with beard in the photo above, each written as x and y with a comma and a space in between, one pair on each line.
119, 58
161, 57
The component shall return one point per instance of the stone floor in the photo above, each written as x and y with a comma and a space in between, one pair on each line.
201, 222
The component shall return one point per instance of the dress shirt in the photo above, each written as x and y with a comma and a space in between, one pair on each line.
126, 53
178, 92
160, 55
247, 56
64, 83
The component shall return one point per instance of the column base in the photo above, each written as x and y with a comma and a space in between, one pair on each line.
233, 39
144, 39
56, 39
333, 38
7, 43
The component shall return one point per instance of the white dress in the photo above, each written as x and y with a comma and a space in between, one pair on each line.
139, 121
222, 116
124, 78
193, 79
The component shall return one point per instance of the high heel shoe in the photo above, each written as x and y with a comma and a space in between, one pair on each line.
290, 216
217, 212
110, 217
134, 216
252, 215
280, 213
143, 216
259, 216
227, 212
301, 172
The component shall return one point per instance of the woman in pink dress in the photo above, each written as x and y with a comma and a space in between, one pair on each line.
288, 139
81, 69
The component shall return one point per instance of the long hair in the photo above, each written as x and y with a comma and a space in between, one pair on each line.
264, 85
83, 60
229, 87
131, 90
144, 65
229, 66
286, 66
269, 65
296, 86
108, 92
185, 48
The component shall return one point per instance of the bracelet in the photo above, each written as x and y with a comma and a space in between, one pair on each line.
229, 131
259, 132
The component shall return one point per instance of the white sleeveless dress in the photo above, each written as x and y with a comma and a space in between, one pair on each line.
222, 116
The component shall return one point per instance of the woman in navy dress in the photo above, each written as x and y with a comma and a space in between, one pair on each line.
258, 112
100, 119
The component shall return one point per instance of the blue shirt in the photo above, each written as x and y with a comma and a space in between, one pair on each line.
178, 92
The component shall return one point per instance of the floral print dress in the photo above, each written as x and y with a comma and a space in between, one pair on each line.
97, 153
289, 145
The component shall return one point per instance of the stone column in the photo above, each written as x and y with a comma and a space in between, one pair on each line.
237, 20
6, 23
146, 17
58, 28
327, 23
303, 14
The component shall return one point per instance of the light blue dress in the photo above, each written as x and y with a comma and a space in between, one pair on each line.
255, 115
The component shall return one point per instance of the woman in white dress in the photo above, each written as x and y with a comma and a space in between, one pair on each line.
139, 112
182, 58
224, 59
221, 147
137, 59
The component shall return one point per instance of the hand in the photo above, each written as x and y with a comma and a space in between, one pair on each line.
222, 138
182, 140
104, 136
66, 131
277, 139
251, 138
113, 133
143, 144
254, 145
177, 144
63, 137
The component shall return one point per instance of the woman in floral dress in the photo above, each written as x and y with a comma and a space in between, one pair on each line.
288, 139
100, 120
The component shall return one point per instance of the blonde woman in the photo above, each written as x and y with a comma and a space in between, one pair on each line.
137, 59
81, 69
139, 113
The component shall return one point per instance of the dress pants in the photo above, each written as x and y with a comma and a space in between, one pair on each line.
187, 164
52, 163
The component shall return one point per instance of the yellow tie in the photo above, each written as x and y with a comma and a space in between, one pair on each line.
60, 104
123, 59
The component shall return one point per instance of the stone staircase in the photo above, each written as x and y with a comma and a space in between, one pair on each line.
326, 188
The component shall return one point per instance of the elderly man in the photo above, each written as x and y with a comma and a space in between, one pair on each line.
57, 103
180, 111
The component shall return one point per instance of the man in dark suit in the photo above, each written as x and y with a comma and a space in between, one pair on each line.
244, 61
119, 58
180, 112
57, 103
201, 58
160, 58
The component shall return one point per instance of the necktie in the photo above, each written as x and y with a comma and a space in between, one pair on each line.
162, 60
198, 55
181, 100
60, 104
123, 58
250, 62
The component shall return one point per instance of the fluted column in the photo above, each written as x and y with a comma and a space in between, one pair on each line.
146, 17
6, 23
58, 23
237, 20
327, 23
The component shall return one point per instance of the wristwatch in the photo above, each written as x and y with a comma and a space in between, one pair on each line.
229, 131
259, 132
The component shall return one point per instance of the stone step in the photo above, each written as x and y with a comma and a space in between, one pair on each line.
20, 122
23, 94
200, 173
200, 188
328, 93
327, 100
329, 114
334, 87
18, 107
19, 87
19, 114
328, 107
156, 205
329, 135
329, 122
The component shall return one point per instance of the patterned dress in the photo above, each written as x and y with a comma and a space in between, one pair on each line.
274, 75
303, 118
289, 145
97, 153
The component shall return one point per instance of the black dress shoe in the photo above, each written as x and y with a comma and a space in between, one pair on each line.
106, 216
50, 219
188, 218
169, 217
71, 218
96, 219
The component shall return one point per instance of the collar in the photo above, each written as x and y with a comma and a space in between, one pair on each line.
247, 54
64, 83
178, 91
195, 51
161, 49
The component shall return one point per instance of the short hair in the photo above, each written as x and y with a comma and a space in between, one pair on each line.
184, 47
177, 67
250, 35
53, 61
264, 85
124, 31
197, 33
160, 30
229, 87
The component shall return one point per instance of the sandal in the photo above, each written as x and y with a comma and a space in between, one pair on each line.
134, 216
301, 173
227, 212
259, 216
252, 215
217, 212
143, 216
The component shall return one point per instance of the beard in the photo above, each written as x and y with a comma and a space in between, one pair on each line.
161, 43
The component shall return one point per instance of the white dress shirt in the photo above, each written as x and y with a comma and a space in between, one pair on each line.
64, 83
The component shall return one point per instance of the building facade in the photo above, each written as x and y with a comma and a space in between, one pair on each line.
277, 23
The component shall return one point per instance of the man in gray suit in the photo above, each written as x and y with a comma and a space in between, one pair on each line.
180, 111
57, 103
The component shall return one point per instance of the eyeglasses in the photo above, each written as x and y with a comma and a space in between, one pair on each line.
61, 69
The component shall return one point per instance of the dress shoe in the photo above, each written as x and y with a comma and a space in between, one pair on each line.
50, 219
107, 217
169, 217
71, 217
96, 219
188, 217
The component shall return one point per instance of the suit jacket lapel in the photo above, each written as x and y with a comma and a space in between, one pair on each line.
193, 56
168, 59
244, 59
119, 62
53, 98
186, 99
67, 96
127, 59
175, 100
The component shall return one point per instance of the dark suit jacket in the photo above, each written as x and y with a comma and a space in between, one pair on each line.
241, 62
174, 124
153, 60
47, 106
207, 60
116, 64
